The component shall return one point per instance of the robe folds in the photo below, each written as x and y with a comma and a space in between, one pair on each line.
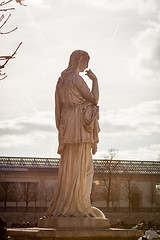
77, 122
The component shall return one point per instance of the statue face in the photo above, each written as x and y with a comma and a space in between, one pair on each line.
83, 64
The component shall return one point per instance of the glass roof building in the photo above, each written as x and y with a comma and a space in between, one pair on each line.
25, 164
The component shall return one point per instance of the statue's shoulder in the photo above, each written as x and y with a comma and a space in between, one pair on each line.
78, 78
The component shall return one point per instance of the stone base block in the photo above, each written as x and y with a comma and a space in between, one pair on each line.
73, 222
76, 234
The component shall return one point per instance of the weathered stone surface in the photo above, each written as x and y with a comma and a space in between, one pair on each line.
89, 234
107, 234
72, 222
31, 233
77, 115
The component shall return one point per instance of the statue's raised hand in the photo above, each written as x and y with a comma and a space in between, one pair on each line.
91, 75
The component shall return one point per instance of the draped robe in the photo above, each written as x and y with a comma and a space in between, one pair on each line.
77, 122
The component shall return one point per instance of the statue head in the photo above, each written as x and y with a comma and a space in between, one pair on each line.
80, 59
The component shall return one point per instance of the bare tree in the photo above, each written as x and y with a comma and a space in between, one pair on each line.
4, 19
96, 192
14, 195
35, 194
93, 192
115, 192
152, 192
106, 173
130, 189
5, 191
29, 192
48, 193
136, 197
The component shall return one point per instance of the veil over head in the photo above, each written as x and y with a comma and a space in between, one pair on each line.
76, 56
74, 59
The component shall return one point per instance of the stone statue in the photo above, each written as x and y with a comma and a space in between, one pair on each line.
76, 114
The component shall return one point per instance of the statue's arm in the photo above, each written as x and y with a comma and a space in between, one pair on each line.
91, 96
95, 88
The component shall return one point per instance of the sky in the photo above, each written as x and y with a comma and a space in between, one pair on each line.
122, 38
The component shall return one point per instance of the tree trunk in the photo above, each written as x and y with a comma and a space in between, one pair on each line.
129, 194
109, 190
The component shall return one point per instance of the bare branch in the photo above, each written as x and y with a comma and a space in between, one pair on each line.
5, 23
6, 9
3, 78
1, 18
20, 2
4, 58
111, 154
1, 66
4, 3
7, 58
2, 33
12, 54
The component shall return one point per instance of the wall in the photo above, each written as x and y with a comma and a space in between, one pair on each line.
47, 182
129, 218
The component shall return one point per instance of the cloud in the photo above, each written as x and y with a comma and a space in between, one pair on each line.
146, 64
150, 152
142, 6
140, 120
59, 27
26, 131
142, 153
37, 135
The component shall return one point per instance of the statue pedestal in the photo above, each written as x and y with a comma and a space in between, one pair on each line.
76, 234
73, 222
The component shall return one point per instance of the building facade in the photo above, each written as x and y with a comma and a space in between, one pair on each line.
117, 184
